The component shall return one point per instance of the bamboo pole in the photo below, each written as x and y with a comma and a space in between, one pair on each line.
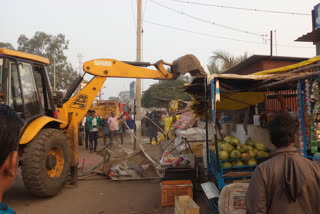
291, 79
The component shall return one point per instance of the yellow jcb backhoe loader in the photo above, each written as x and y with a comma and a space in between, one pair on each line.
48, 149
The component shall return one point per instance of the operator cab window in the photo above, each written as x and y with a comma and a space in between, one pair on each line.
39, 76
32, 104
15, 94
29, 89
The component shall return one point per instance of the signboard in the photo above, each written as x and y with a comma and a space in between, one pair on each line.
316, 16
132, 90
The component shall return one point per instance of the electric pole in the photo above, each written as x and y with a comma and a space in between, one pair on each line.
138, 80
79, 55
54, 72
271, 42
275, 41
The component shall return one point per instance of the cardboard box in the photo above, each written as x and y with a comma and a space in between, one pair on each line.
185, 205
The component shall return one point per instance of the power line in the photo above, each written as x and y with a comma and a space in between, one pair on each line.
242, 8
133, 15
219, 37
204, 34
207, 21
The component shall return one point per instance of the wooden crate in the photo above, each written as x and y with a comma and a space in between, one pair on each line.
171, 189
185, 205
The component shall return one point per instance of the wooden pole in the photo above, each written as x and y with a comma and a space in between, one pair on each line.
291, 79
54, 72
207, 130
138, 80
271, 43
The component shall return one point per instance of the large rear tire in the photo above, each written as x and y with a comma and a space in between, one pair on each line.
46, 163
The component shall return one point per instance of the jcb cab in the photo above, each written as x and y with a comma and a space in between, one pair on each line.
44, 150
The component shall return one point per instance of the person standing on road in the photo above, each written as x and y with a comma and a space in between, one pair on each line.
121, 131
153, 130
131, 125
85, 124
288, 182
105, 125
113, 127
93, 122
10, 125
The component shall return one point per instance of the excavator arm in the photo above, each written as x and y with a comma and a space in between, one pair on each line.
115, 68
75, 108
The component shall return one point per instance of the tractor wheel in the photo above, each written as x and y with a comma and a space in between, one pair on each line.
46, 163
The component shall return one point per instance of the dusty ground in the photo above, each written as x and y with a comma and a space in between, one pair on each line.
96, 196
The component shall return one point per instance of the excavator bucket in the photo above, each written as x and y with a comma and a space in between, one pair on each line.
187, 64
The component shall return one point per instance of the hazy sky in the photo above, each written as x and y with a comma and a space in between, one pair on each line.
107, 29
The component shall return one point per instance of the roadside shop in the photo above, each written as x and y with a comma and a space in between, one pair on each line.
241, 106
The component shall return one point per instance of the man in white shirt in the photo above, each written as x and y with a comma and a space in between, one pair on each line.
85, 125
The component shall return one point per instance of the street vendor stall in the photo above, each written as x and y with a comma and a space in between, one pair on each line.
297, 88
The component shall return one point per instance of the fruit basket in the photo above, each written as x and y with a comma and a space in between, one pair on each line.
236, 167
225, 176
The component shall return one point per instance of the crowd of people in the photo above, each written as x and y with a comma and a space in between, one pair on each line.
113, 126
116, 126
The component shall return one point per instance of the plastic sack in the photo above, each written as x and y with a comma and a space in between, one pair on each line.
167, 159
232, 199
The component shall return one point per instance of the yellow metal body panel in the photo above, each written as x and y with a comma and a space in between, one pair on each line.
75, 109
115, 68
104, 108
35, 126
24, 55
78, 105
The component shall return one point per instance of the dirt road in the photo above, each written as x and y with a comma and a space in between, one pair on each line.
91, 197
99, 196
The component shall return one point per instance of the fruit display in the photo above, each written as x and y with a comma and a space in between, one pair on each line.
252, 162
227, 147
249, 142
245, 156
237, 163
235, 154
262, 154
224, 155
238, 154
226, 164
227, 139
242, 148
